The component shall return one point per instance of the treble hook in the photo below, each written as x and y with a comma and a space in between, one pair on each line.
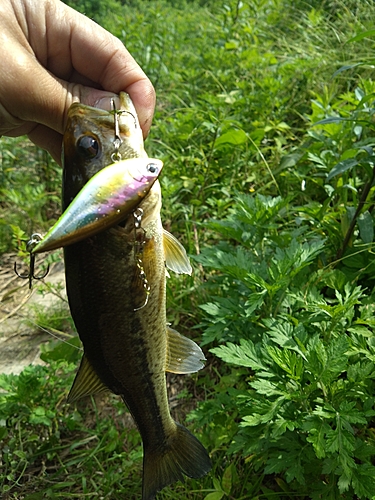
33, 241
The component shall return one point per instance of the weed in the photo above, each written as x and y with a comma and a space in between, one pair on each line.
292, 315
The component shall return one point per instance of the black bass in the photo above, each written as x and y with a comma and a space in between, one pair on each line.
116, 288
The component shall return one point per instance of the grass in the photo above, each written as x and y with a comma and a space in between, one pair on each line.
241, 87
29, 191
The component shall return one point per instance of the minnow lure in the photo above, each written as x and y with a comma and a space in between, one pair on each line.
107, 198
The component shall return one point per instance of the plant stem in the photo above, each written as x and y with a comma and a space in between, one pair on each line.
353, 222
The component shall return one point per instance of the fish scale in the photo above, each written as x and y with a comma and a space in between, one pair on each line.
116, 289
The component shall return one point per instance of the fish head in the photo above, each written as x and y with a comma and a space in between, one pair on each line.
95, 138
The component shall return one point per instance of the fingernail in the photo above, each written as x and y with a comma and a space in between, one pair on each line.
106, 102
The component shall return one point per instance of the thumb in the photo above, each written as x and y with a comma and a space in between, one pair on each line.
40, 111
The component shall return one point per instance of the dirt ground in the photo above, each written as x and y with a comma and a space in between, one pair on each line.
19, 340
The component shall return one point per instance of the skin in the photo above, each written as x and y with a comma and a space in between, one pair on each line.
57, 56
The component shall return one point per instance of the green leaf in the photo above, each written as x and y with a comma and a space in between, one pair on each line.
366, 227
331, 119
270, 409
215, 495
288, 361
20, 454
334, 278
342, 167
326, 364
316, 356
343, 483
253, 420
69, 350
350, 413
360, 372
227, 479
317, 429
290, 160
245, 354
233, 137
288, 458
280, 426
61, 485
40, 415
3, 433
346, 67
361, 36
267, 388
363, 481
211, 308
340, 440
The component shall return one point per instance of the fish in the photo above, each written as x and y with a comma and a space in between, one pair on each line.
106, 199
116, 287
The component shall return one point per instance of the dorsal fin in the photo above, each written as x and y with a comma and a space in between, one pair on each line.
176, 258
183, 355
86, 382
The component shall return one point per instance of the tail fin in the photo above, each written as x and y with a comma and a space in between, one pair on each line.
183, 454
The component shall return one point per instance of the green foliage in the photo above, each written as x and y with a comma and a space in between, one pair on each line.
27, 424
301, 324
29, 191
95, 9
38, 430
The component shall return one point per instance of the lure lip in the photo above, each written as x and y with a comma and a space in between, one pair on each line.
106, 200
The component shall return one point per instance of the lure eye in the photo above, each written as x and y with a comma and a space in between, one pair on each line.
88, 146
152, 168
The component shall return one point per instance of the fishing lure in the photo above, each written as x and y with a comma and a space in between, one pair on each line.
108, 197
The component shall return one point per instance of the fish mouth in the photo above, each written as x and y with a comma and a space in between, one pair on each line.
117, 132
104, 121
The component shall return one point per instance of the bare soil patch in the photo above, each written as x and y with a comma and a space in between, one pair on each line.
20, 340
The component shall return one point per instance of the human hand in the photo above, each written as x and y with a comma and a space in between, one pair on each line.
53, 56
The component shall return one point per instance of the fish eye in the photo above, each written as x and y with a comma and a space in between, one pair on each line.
152, 168
88, 146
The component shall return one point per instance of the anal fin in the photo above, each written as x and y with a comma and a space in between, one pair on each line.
183, 355
86, 382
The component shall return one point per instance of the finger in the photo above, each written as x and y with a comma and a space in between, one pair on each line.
46, 103
75, 50
96, 55
143, 98
48, 139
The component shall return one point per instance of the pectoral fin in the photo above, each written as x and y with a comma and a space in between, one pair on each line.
183, 355
86, 382
175, 255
